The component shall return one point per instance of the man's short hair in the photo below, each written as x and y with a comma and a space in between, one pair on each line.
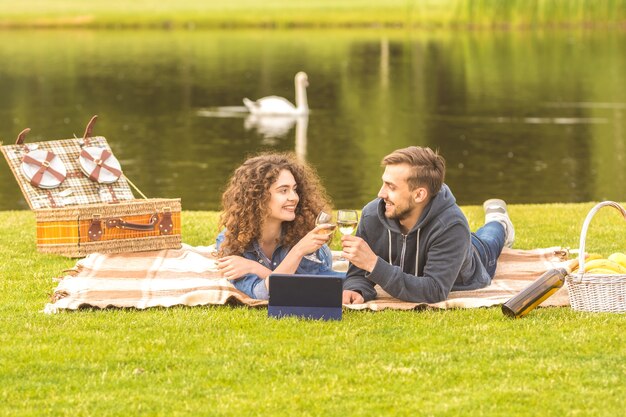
428, 168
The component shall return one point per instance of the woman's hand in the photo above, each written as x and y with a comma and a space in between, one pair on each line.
233, 267
315, 239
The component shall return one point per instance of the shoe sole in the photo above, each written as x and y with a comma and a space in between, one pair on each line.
494, 202
501, 203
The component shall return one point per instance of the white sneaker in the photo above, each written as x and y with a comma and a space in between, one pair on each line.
495, 211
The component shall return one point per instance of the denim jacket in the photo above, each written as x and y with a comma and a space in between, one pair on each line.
254, 286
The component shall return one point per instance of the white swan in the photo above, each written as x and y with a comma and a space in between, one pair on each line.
274, 105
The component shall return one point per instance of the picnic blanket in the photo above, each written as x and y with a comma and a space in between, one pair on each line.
188, 276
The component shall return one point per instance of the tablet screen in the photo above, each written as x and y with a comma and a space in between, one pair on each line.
305, 290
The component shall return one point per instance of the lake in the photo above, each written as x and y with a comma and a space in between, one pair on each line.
530, 117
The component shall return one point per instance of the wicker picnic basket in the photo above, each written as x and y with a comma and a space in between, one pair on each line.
82, 201
597, 293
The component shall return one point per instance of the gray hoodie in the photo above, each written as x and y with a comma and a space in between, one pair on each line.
433, 258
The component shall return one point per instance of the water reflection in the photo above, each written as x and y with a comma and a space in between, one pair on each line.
270, 127
523, 116
223, 111
302, 124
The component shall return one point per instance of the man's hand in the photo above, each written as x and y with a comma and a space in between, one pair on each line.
352, 297
233, 267
358, 252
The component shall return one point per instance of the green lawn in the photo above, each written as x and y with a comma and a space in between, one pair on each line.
235, 361
310, 13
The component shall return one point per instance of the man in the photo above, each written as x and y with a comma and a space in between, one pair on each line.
414, 240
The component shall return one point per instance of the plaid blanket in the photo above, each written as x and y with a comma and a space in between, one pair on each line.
188, 276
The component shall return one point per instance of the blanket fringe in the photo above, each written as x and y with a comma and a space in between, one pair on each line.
57, 295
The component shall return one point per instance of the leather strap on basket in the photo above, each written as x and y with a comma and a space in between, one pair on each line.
114, 199
22, 136
121, 224
95, 228
166, 226
89, 129
20, 139
100, 163
53, 203
43, 168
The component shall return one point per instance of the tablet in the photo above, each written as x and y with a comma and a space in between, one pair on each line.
315, 297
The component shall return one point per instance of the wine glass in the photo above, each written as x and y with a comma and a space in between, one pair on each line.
346, 222
322, 218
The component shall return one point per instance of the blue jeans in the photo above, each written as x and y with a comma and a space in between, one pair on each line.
489, 241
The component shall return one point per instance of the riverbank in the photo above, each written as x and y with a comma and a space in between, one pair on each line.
427, 15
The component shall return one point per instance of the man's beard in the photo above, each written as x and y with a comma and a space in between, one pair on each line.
401, 214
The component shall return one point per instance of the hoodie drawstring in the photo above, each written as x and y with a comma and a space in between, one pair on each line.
417, 249
389, 233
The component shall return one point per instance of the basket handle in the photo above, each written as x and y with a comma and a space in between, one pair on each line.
583, 233
122, 224
165, 226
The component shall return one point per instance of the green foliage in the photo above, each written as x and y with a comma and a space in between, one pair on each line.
303, 13
235, 361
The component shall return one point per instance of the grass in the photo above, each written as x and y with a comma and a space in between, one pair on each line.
305, 13
230, 361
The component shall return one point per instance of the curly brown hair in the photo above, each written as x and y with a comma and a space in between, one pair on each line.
245, 201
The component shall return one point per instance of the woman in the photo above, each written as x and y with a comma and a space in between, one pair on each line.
269, 211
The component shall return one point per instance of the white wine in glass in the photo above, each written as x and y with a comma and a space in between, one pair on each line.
325, 219
347, 221
322, 219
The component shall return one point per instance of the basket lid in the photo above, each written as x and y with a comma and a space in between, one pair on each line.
76, 188
67, 172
